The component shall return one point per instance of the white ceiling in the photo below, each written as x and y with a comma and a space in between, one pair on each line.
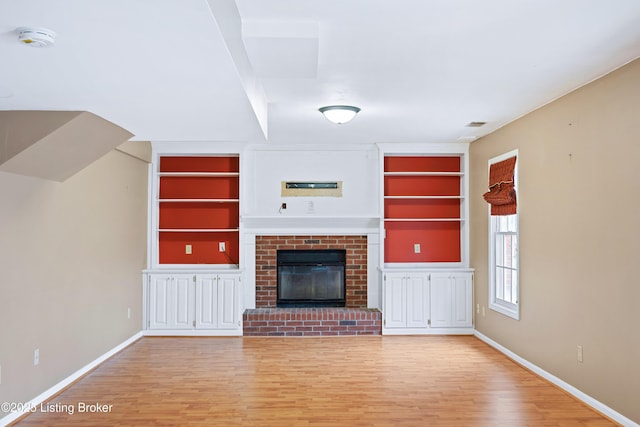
219, 70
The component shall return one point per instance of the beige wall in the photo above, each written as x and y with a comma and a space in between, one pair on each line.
579, 205
71, 256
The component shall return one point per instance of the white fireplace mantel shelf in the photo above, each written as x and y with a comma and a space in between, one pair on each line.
310, 224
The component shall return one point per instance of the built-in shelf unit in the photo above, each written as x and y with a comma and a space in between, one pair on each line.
426, 280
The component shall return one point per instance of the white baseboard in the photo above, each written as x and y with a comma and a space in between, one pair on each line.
192, 332
42, 397
427, 331
595, 404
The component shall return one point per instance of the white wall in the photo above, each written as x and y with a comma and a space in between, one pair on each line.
266, 167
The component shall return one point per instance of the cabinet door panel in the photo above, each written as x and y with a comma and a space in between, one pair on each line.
183, 302
395, 315
462, 300
207, 302
228, 295
159, 300
417, 301
440, 301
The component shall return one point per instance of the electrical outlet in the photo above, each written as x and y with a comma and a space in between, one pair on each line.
416, 248
483, 313
477, 308
221, 246
283, 206
129, 313
188, 249
580, 353
36, 357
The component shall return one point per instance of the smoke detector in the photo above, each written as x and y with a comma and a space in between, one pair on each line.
36, 36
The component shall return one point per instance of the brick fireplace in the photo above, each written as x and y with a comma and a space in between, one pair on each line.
356, 265
354, 319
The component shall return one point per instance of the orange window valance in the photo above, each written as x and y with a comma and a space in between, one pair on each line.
502, 192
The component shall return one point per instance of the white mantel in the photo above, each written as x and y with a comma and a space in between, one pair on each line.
285, 224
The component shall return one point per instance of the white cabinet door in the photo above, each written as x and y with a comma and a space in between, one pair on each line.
217, 300
171, 302
184, 301
441, 300
207, 302
417, 298
451, 300
462, 299
159, 296
395, 301
228, 301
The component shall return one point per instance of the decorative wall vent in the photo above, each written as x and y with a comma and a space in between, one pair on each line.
311, 189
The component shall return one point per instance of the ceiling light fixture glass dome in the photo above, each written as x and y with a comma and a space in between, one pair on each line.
339, 113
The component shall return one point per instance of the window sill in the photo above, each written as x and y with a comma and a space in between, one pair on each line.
512, 311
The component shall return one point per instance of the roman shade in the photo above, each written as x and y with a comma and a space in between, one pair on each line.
502, 193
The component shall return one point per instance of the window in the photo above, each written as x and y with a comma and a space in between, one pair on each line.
504, 286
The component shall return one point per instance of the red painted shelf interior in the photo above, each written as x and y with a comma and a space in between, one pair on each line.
199, 187
222, 214
196, 215
421, 164
199, 164
421, 208
204, 248
439, 239
421, 185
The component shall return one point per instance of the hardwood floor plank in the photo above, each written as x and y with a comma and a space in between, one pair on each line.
323, 381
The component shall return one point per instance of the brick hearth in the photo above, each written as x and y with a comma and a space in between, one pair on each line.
354, 319
311, 321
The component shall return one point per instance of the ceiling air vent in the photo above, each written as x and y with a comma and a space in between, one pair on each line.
476, 124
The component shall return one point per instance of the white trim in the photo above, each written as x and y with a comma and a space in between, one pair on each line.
593, 403
237, 332
302, 225
510, 310
427, 331
57, 388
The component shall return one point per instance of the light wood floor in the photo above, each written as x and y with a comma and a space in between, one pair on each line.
341, 381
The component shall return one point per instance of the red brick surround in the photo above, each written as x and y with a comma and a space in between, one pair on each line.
356, 268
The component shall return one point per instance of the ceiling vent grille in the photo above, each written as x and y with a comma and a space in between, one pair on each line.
476, 124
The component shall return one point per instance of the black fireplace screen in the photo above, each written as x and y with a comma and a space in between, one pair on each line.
311, 278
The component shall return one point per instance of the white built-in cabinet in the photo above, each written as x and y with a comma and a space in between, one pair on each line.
217, 302
406, 297
453, 299
194, 304
171, 300
427, 302
427, 285
193, 283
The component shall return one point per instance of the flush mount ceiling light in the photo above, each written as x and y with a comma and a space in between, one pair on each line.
339, 113
36, 37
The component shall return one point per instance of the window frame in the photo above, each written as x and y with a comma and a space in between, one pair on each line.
499, 305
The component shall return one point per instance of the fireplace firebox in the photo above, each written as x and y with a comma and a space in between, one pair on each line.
311, 278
